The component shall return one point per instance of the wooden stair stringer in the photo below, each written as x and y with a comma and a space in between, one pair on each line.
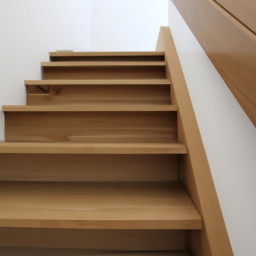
196, 174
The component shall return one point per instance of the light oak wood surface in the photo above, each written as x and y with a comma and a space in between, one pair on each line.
230, 46
97, 82
102, 64
96, 239
93, 148
90, 108
243, 10
80, 54
52, 92
19, 251
196, 174
97, 206
95, 161
91, 127
100, 94
89, 168
104, 72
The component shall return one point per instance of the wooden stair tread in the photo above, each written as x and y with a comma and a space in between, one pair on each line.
89, 108
103, 64
86, 54
99, 82
22, 251
97, 206
91, 148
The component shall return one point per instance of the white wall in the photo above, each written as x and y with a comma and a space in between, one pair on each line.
228, 135
127, 25
29, 30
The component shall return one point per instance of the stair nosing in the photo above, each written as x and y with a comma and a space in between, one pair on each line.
92, 148
98, 82
106, 54
104, 64
90, 108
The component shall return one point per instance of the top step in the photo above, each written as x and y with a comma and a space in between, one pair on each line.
107, 56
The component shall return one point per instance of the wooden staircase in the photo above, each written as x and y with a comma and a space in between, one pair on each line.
93, 164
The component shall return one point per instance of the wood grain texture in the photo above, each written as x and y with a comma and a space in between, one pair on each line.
107, 72
243, 10
89, 168
199, 244
103, 240
90, 108
230, 46
91, 127
196, 174
19, 251
97, 206
113, 95
92, 148
100, 92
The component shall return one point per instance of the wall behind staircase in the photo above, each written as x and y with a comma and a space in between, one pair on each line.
29, 30
229, 137
127, 25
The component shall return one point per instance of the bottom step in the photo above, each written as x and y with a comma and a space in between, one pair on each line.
17, 251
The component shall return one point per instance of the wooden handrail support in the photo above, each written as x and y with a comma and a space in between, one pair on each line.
213, 239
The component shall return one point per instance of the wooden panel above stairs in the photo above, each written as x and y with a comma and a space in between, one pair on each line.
243, 10
229, 44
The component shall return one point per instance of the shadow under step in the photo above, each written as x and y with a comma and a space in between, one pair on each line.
103, 70
107, 56
90, 167
96, 239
